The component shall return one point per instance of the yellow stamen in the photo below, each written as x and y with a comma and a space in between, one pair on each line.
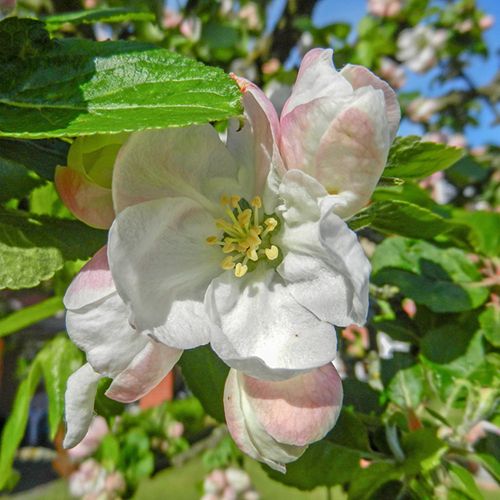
225, 200
235, 200
256, 202
272, 252
212, 240
228, 247
240, 270
252, 254
271, 223
227, 263
244, 218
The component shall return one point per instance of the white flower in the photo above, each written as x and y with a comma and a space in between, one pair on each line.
385, 8
418, 47
241, 245
393, 72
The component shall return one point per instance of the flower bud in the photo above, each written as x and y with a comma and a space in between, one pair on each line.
338, 128
85, 183
274, 422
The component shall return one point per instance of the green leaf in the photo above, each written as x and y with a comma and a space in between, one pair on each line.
402, 218
58, 360
206, 375
407, 387
103, 405
489, 320
409, 158
490, 463
15, 182
349, 432
464, 482
80, 87
15, 426
445, 280
33, 248
360, 396
423, 451
41, 156
90, 16
447, 342
323, 464
369, 480
22, 38
30, 315
484, 230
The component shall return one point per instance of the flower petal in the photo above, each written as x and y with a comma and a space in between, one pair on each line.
359, 76
255, 443
103, 331
324, 266
255, 141
86, 200
263, 331
146, 371
162, 265
297, 411
190, 162
317, 78
79, 404
353, 152
92, 283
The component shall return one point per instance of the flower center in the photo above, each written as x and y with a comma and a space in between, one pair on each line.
247, 233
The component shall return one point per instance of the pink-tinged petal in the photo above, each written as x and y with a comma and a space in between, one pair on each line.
162, 266
317, 78
187, 162
248, 433
359, 76
91, 284
352, 156
146, 371
255, 141
297, 411
86, 200
79, 404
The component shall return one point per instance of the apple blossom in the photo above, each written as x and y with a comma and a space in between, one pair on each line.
85, 184
418, 46
338, 127
421, 109
393, 72
240, 245
385, 8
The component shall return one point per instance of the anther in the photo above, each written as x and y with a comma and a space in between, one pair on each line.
212, 240
256, 202
244, 217
240, 270
271, 223
272, 252
225, 200
252, 254
227, 263
235, 200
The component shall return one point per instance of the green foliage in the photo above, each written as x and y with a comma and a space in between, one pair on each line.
108, 87
90, 16
403, 218
206, 376
29, 315
54, 363
444, 280
410, 158
33, 248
